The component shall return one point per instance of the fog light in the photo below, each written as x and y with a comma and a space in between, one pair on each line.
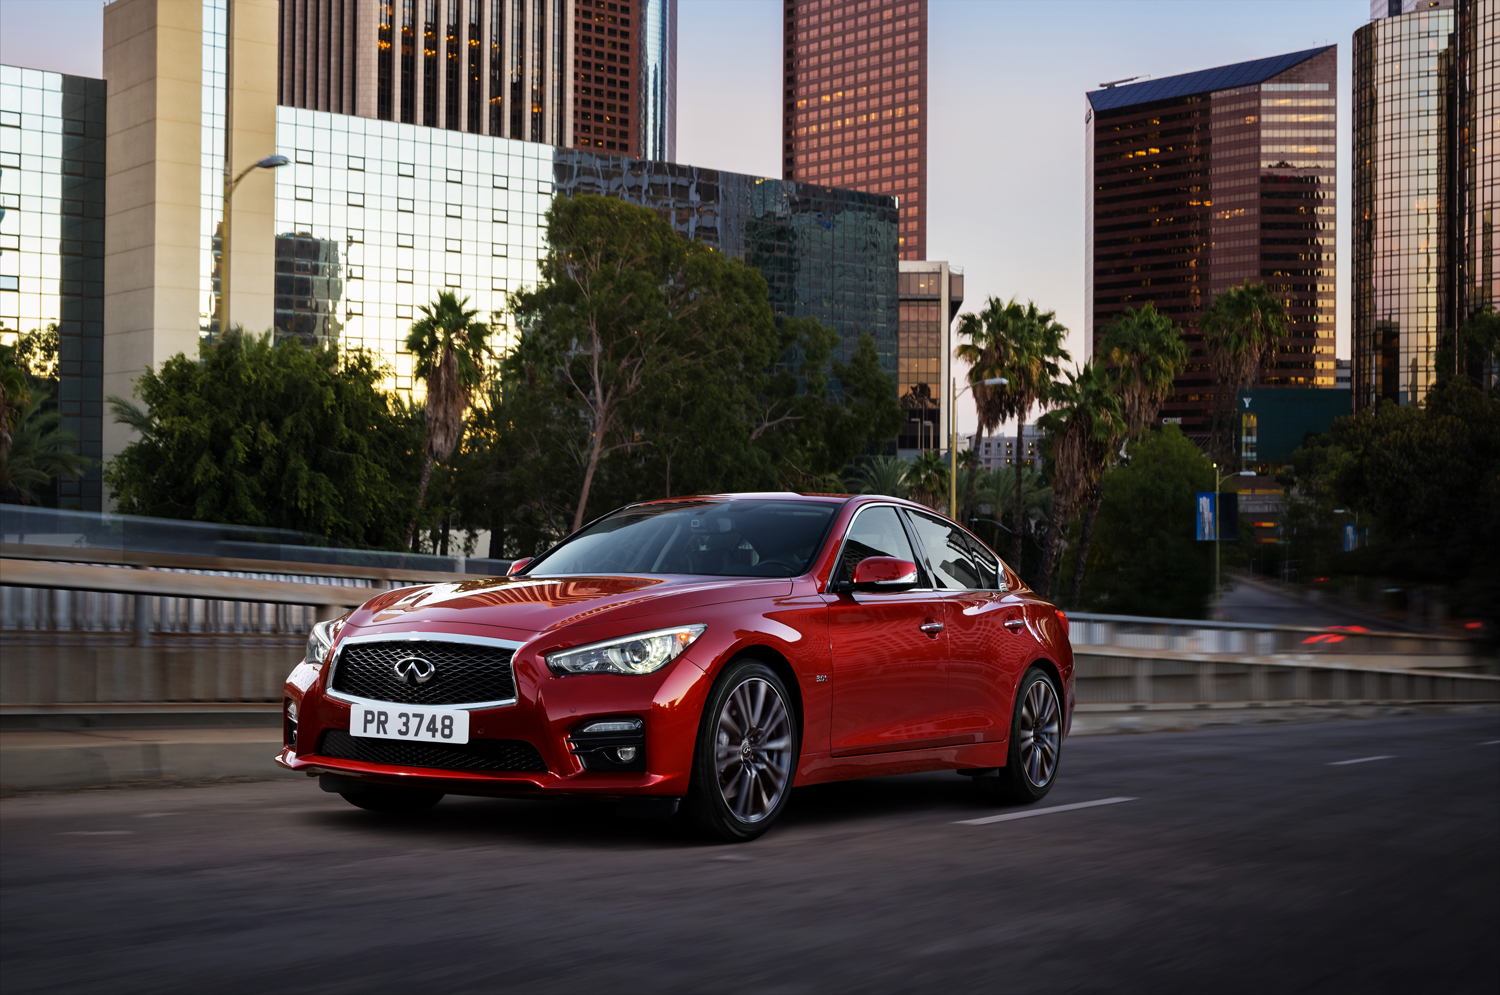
610, 744
625, 754
290, 734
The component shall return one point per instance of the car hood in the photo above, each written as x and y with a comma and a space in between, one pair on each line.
540, 604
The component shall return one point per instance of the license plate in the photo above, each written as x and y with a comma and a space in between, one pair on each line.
421, 725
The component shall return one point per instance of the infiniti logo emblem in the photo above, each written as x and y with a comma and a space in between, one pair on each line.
414, 670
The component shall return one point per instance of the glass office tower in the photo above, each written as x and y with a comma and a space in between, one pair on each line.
1209, 180
52, 244
396, 213
854, 108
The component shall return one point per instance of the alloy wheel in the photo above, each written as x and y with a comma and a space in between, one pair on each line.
1041, 733
753, 747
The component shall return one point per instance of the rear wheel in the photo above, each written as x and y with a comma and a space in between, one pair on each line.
746, 754
392, 800
1035, 742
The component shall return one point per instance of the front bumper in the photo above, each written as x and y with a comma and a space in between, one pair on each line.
547, 710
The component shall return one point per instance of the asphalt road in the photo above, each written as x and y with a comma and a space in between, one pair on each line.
1246, 862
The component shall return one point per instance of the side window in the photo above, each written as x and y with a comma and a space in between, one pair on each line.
989, 566
874, 532
949, 559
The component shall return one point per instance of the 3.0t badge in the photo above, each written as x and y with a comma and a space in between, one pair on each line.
414, 670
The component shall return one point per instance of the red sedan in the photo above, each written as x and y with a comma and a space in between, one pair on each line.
707, 653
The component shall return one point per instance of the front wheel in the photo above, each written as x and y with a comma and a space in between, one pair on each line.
1035, 742
746, 754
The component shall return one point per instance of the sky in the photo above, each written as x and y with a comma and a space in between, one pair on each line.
1006, 84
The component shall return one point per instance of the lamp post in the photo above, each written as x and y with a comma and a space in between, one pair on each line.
270, 162
1217, 484
953, 437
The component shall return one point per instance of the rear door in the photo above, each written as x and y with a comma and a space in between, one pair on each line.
987, 637
890, 689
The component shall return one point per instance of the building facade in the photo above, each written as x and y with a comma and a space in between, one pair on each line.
1205, 181
854, 110
52, 138
1425, 183
577, 73
930, 295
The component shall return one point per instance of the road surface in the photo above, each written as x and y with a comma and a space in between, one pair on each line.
1350, 856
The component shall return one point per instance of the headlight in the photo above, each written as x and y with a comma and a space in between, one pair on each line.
320, 641
642, 653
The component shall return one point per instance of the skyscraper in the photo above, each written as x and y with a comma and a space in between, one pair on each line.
1425, 177
854, 111
1205, 181
576, 73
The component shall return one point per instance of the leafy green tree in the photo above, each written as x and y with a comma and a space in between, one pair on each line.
1084, 426
15, 397
647, 366
1144, 559
450, 348
1242, 328
279, 436
40, 452
1425, 481
1473, 351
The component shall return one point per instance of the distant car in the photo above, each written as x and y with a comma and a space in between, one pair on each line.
711, 652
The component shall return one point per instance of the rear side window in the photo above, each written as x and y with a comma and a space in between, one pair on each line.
950, 559
991, 579
874, 532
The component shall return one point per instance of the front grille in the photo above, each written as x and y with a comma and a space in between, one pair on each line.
481, 754
463, 673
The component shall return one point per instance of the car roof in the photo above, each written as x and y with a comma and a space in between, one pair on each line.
811, 496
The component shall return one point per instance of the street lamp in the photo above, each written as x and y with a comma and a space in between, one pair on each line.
269, 162
953, 437
1217, 484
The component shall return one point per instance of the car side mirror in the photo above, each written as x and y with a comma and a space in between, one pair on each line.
884, 573
517, 566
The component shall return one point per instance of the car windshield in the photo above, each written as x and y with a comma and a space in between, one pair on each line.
719, 538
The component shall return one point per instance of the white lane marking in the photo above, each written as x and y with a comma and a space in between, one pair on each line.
156, 815
1491, 742
1360, 760
100, 832
1007, 817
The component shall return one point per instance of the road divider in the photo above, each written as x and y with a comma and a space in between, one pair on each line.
1033, 812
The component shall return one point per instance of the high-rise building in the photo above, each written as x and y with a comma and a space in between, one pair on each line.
854, 111
930, 294
1425, 178
1205, 181
576, 73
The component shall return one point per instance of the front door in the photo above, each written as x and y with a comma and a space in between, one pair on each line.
889, 650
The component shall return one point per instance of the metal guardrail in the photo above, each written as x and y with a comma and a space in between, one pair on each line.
1193, 636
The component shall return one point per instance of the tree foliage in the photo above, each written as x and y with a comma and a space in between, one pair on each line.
1145, 350
1144, 559
648, 366
1424, 481
40, 452
1242, 329
280, 436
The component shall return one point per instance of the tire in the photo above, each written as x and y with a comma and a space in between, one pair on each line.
739, 789
393, 801
1035, 750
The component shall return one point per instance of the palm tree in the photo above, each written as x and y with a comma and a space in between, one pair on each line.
1085, 424
927, 477
450, 348
984, 352
1146, 351
1029, 347
1241, 329
40, 452
885, 475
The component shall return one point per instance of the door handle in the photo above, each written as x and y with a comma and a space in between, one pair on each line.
931, 628
1014, 624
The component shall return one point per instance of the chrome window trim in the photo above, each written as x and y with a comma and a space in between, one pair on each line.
418, 637
911, 540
